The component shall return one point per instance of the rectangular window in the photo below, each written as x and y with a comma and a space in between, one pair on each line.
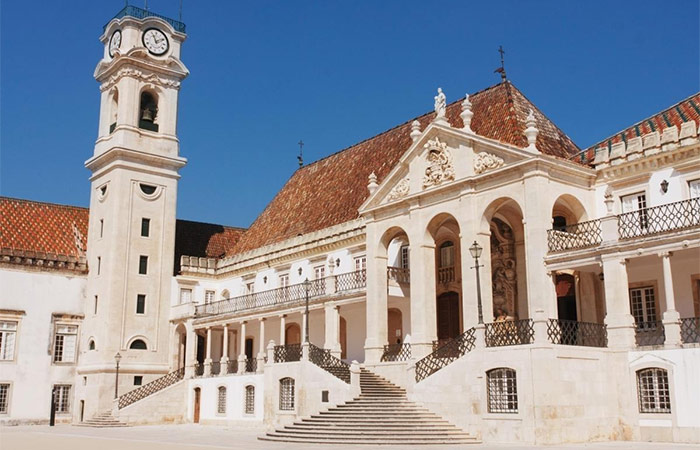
636, 202
140, 304
694, 188
65, 340
4, 398
185, 296
143, 265
250, 288
403, 257
284, 281
643, 304
102, 227
502, 391
653, 391
8, 333
360, 263
62, 398
320, 272
145, 227
250, 399
221, 401
209, 296
138, 380
95, 311
99, 264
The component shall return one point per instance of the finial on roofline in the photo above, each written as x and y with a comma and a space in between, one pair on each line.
531, 131
467, 113
415, 130
372, 185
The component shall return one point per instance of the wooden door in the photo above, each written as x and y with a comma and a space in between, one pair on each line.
343, 339
448, 315
292, 334
394, 328
197, 398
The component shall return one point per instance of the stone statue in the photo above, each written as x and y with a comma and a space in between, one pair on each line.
440, 104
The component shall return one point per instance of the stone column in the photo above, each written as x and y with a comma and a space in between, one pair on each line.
261, 353
423, 289
618, 319
224, 353
190, 350
242, 356
332, 320
671, 317
207, 361
283, 326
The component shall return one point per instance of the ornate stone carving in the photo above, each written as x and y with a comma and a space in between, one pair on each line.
400, 190
135, 73
503, 272
439, 160
486, 161
440, 106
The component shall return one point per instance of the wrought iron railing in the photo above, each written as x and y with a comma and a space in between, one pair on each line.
659, 219
571, 332
690, 330
215, 368
198, 370
398, 274
287, 353
445, 354
138, 13
578, 235
446, 274
288, 294
151, 388
396, 352
509, 332
323, 359
351, 281
649, 333
251, 365
232, 366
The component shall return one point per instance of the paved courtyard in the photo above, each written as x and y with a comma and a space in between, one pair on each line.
193, 437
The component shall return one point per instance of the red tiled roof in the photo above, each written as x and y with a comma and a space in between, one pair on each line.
330, 191
683, 111
203, 240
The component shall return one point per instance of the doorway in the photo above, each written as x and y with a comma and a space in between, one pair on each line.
343, 339
249, 348
197, 398
292, 334
566, 297
448, 316
394, 328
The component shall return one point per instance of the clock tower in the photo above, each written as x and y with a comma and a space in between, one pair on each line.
133, 197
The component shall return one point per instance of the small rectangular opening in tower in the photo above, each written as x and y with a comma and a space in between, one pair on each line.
145, 227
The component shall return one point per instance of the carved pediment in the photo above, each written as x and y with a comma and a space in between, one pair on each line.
439, 159
400, 190
486, 161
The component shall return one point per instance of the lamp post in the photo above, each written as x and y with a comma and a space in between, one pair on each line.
307, 286
117, 358
476, 250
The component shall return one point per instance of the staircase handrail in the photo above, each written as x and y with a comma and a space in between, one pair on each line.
151, 388
445, 354
325, 360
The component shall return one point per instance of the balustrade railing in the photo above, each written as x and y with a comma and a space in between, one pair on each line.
510, 332
287, 353
659, 219
351, 281
151, 388
396, 352
398, 274
571, 332
446, 274
578, 235
690, 330
232, 366
649, 333
326, 361
138, 13
215, 368
451, 350
251, 365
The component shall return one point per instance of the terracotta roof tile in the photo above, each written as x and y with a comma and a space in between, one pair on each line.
203, 240
330, 191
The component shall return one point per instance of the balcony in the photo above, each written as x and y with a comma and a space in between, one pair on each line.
578, 235
286, 296
446, 274
398, 274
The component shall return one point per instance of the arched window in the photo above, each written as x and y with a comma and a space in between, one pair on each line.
502, 390
148, 110
287, 394
447, 254
559, 223
652, 391
250, 399
221, 400
138, 344
113, 107
91, 344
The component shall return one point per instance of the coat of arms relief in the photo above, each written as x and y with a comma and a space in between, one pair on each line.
440, 168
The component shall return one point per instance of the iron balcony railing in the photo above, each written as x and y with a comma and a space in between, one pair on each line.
138, 13
578, 235
510, 332
325, 360
287, 353
198, 370
398, 274
251, 365
351, 281
690, 330
445, 354
215, 368
151, 388
571, 332
396, 352
659, 219
650, 333
232, 366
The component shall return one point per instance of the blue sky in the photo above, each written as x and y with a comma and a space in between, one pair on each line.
265, 74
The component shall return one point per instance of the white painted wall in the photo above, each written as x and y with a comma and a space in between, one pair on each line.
235, 398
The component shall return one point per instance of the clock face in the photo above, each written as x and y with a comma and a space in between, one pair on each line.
155, 41
115, 41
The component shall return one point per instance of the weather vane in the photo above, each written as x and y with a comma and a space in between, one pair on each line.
502, 69
301, 153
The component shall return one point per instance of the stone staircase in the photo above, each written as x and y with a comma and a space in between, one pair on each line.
102, 420
382, 414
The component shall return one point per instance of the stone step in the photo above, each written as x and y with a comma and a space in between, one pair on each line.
367, 433
390, 428
358, 440
377, 420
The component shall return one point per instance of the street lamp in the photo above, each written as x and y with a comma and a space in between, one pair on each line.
475, 250
307, 287
117, 358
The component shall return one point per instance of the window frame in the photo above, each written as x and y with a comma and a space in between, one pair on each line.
404, 256
145, 223
502, 391
140, 297
180, 295
7, 399
143, 264
643, 287
287, 394
209, 296
666, 404
55, 343
3, 339
221, 400
249, 400
64, 398
137, 339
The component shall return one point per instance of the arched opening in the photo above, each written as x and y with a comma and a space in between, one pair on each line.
197, 401
396, 246
138, 344
567, 210
250, 399
91, 344
148, 111
566, 296
181, 343
394, 326
113, 110
292, 334
343, 338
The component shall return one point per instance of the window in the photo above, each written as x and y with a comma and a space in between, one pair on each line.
147, 188
4, 398
360, 263
140, 304
95, 310
138, 380
209, 296
250, 399
502, 391
64, 343
99, 264
447, 254
148, 111
403, 257
284, 280
145, 227
138, 344
250, 288
221, 401
694, 187
185, 296
102, 227
143, 265
643, 304
8, 333
61, 394
287, 394
636, 202
320, 272
652, 390
91, 345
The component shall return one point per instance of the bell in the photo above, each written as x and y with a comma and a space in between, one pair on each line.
147, 115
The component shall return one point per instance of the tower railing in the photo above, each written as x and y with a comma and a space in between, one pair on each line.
139, 13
